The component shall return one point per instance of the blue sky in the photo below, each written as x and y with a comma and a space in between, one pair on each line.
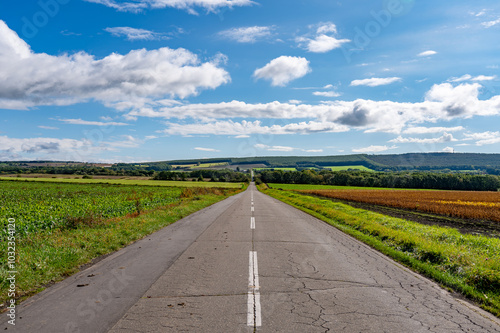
151, 80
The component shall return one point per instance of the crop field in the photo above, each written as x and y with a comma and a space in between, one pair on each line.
60, 226
462, 204
140, 182
40, 206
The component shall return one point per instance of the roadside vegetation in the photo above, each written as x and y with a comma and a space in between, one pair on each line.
60, 227
467, 264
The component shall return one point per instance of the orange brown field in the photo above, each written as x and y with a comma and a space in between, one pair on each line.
463, 204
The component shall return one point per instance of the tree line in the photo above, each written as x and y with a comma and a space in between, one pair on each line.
225, 175
417, 180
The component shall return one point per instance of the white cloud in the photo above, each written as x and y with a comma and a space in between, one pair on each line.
327, 27
490, 24
48, 148
446, 137
246, 34
283, 69
484, 78
326, 93
133, 34
322, 42
285, 148
91, 123
373, 149
468, 77
30, 79
462, 78
484, 138
375, 81
426, 53
431, 130
48, 127
246, 128
274, 148
443, 102
189, 5
206, 149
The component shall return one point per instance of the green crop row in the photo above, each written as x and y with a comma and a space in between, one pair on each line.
46, 206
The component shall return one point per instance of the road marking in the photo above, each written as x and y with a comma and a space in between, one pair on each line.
254, 317
252, 222
252, 209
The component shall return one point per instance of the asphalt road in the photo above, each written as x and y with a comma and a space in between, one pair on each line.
249, 264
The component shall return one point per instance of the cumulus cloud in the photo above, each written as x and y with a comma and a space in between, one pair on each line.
446, 137
373, 149
456, 101
375, 81
246, 34
246, 128
283, 69
133, 34
443, 102
189, 5
323, 41
426, 53
67, 149
432, 130
484, 138
30, 79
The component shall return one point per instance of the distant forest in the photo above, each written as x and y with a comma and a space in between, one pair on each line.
434, 162
415, 180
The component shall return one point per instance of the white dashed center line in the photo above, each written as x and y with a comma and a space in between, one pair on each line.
252, 222
254, 317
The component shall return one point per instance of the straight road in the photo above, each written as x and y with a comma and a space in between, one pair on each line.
250, 264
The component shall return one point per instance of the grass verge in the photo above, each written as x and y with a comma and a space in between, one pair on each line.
467, 264
47, 257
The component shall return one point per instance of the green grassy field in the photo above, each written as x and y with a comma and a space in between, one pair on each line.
468, 264
61, 226
208, 165
128, 182
270, 169
348, 167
